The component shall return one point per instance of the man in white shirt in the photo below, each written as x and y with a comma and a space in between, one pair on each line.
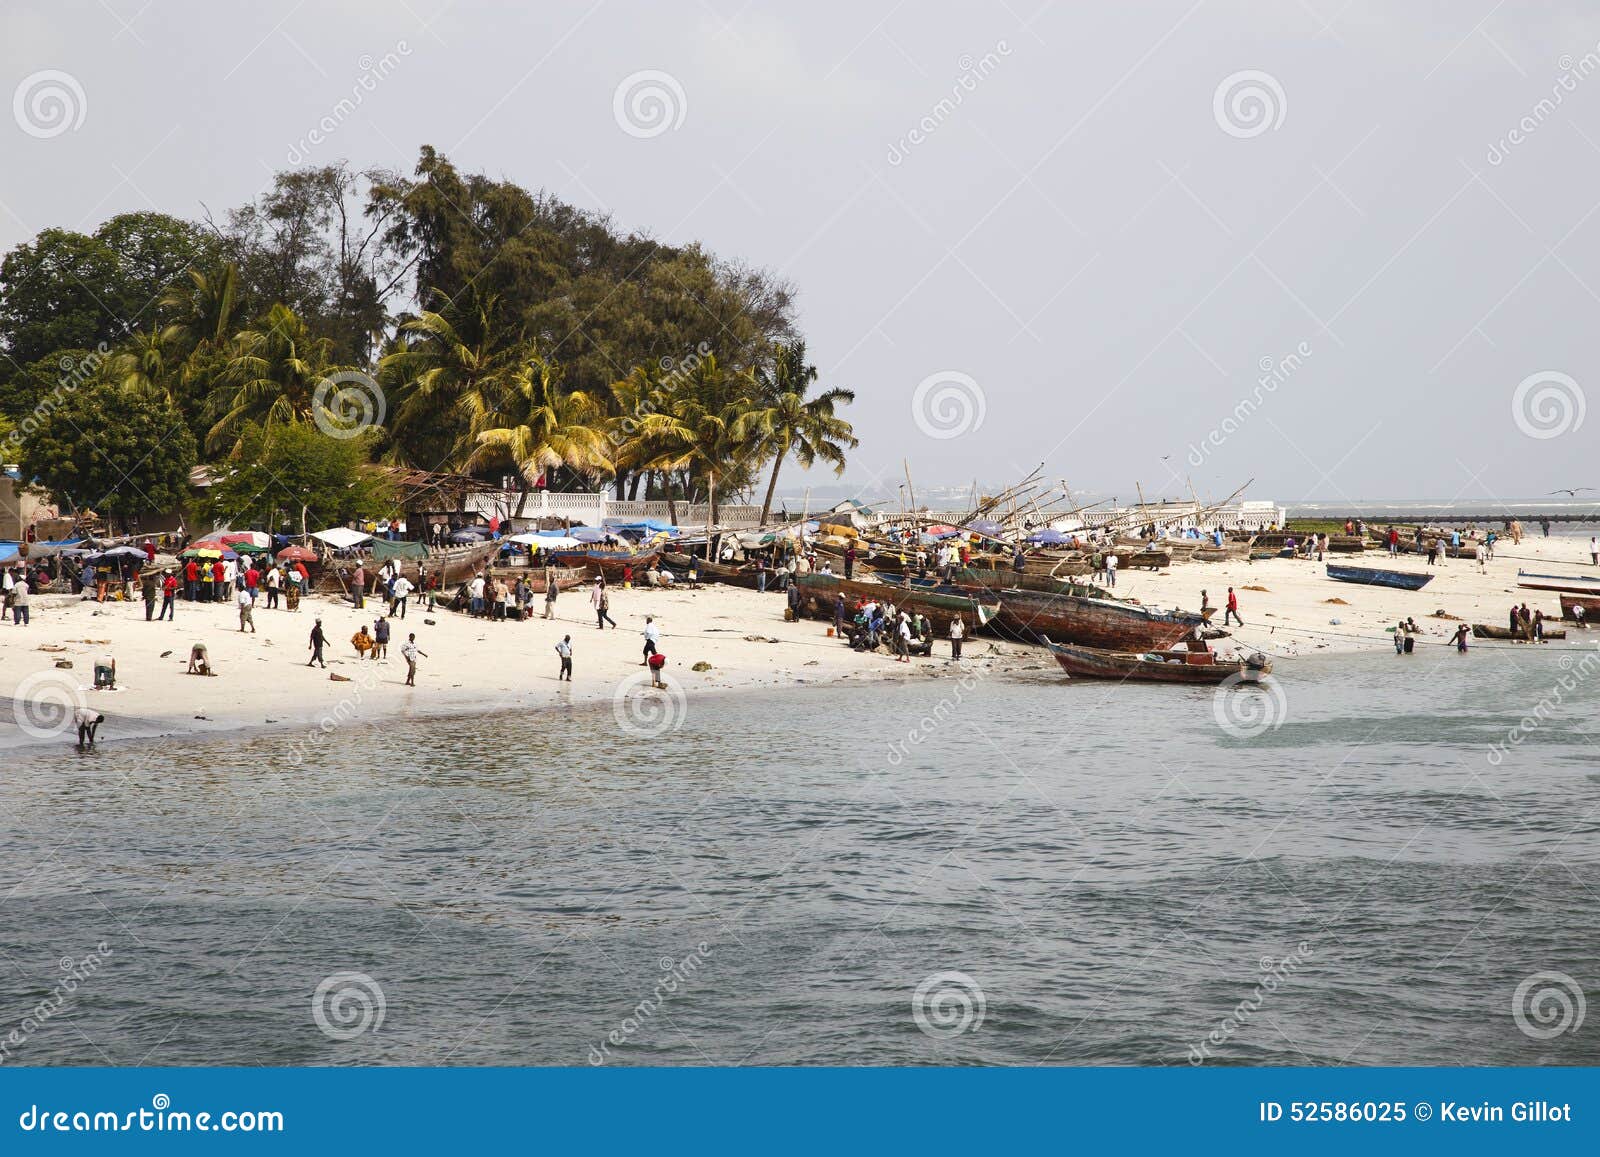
274, 584
409, 651
652, 636
247, 604
475, 594
1111, 570
398, 592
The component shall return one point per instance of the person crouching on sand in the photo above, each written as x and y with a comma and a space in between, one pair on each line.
362, 642
657, 661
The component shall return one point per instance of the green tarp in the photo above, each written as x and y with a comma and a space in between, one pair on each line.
383, 550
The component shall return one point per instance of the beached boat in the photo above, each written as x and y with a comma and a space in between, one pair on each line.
1145, 559
1589, 603
451, 565
1183, 666
566, 577
1227, 552
818, 592
1372, 576
1112, 625
709, 570
611, 563
1490, 631
1571, 584
1000, 580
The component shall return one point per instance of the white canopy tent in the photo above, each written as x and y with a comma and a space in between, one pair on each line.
341, 537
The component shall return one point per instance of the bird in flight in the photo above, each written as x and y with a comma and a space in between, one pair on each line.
1574, 492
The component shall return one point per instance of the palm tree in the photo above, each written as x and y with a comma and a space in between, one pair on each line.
151, 365
446, 369
534, 426
702, 426
202, 313
790, 423
270, 377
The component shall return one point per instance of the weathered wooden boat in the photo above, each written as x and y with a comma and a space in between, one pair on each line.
566, 577
611, 563
1372, 576
744, 575
1110, 624
1191, 666
1346, 544
1589, 603
450, 565
1228, 552
818, 591
1000, 580
1145, 559
1570, 584
1490, 631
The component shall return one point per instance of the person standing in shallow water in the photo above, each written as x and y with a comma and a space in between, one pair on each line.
564, 649
409, 651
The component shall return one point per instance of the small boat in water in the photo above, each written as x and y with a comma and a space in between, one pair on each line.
1571, 584
1490, 631
1372, 576
1195, 665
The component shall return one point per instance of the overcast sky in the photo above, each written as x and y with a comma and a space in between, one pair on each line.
1086, 228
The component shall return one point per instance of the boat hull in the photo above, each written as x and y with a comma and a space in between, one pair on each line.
1194, 668
1371, 576
1561, 584
817, 593
611, 563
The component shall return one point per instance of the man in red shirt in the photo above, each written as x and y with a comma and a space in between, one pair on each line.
252, 579
1233, 609
191, 580
169, 594
217, 573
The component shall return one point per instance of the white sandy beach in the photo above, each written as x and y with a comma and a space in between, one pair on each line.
475, 665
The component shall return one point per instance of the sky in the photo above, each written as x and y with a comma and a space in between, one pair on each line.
1347, 250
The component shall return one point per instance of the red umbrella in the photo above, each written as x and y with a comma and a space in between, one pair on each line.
297, 554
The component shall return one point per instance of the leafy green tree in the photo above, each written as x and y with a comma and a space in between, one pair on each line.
100, 449
788, 422
294, 477
271, 378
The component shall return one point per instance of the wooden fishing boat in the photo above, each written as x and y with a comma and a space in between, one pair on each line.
1145, 559
1110, 624
1000, 580
1184, 666
709, 570
1589, 603
566, 577
594, 561
818, 592
451, 565
1372, 576
1489, 631
1228, 552
1570, 584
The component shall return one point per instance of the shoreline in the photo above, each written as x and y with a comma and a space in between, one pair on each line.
475, 665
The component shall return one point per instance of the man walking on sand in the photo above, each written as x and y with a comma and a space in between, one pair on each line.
564, 649
317, 639
652, 636
409, 652
358, 586
169, 596
399, 591
1232, 611
247, 605
148, 584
